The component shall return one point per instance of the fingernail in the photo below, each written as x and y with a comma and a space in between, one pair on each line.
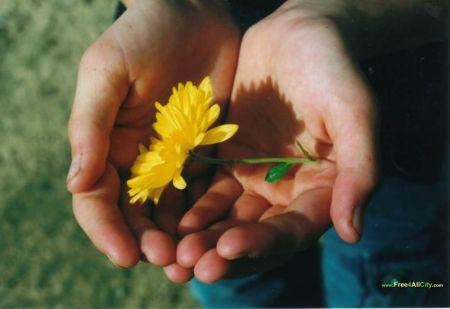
358, 219
74, 169
113, 261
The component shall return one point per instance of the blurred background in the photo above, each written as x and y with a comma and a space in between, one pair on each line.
45, 258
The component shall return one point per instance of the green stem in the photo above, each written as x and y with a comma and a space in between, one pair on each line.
197, 157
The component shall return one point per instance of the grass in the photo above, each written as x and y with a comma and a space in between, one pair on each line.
45, 259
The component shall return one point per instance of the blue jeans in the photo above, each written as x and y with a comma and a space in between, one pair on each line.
405, 237
401, 242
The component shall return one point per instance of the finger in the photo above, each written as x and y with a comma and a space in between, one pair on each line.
247, 208
178, 274
211, 267
193, 246
353, 138
212, 206
98, 214
301, 223
102, 86
157, 246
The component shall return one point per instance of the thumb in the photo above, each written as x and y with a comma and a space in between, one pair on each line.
353, 139
102, 86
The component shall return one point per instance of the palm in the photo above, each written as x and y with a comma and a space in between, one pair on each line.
282, 100
154, 71
300, 86
270, 127
157, 58
151, 48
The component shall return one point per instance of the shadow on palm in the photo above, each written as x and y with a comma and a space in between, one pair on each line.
268, 127
242, 217
179, 57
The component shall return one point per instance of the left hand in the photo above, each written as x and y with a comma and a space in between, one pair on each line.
151, 47
295, 81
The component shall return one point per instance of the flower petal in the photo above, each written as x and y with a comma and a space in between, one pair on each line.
156, 194
179, 182
219, 134
212, 115
181, 125
134, 198
199, 139
142, 149
205, 85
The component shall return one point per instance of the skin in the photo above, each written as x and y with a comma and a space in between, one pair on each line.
286, 90
301, 85
137, 61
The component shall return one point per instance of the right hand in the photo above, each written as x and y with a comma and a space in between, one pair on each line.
151, 48
295, 81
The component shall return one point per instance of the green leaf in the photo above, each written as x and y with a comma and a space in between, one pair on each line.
278, 171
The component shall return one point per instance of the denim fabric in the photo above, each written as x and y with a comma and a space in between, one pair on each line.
254, 291
296, 284
402, 242
404, 236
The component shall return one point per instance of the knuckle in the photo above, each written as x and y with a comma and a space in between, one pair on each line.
98, 55
257, 31
90, 58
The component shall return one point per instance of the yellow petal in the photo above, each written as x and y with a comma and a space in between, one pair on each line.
212, 115
140, 196
219, 134
198, 139
148, 157
143, 168
156, 194
156, 178
205, 85
162, 130
179, 182
134, 199
142, 149
181, 125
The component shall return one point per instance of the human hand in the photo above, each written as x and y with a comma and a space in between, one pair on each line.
154, 45
295, 81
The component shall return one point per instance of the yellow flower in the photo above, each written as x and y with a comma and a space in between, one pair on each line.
181, 125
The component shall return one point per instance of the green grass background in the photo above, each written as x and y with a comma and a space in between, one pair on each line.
45, 259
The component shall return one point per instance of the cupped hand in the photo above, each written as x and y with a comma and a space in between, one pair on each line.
149, 49
295, 81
